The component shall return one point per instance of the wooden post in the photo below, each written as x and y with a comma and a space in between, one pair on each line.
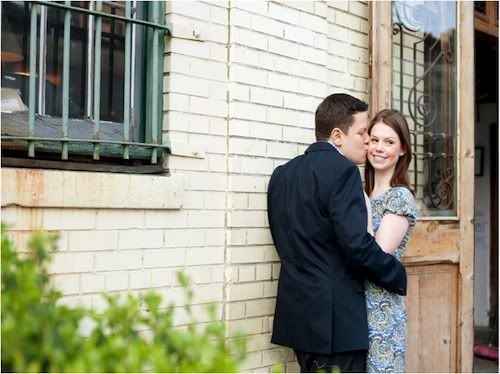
380, 55
465, 92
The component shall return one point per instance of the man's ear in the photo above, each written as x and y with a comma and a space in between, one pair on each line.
336, 136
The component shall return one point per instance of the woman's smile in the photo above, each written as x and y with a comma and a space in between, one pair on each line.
379, 158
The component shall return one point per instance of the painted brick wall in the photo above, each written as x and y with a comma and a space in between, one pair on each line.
196, 89
237, 103
284, 58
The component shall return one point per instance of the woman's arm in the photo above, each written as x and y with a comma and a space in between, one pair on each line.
391, 232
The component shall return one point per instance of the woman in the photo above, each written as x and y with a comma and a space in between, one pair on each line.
393, 214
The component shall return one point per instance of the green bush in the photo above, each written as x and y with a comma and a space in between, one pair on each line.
39, 334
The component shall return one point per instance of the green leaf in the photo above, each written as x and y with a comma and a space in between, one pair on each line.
132, 334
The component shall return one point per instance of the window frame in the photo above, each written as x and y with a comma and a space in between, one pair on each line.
487, 22
103, 152
381, 83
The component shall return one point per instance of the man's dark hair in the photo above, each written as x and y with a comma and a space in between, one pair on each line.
337, 110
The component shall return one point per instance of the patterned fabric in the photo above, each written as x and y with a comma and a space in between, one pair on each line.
386, 310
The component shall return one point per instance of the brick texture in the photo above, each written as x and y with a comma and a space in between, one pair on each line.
236, 105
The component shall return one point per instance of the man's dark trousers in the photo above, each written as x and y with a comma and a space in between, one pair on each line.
345, 362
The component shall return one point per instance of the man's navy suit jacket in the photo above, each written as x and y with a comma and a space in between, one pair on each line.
318, 221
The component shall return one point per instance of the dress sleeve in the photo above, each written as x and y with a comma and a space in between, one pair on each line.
400, 201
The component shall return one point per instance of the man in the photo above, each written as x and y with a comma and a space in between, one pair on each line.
318, 221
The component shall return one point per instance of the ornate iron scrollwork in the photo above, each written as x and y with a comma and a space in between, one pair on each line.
427, 99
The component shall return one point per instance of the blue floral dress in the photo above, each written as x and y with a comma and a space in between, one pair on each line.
387, 310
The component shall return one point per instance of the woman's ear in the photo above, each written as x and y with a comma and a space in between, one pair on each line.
336, 136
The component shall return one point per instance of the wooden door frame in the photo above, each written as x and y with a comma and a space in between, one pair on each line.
380, 52
466, 120
380, 55
493, 132
487, 23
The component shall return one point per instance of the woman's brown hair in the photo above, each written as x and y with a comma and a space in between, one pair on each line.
396, 121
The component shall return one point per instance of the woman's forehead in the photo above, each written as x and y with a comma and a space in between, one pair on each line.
383, 130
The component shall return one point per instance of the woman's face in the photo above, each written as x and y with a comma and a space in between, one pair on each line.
384, 148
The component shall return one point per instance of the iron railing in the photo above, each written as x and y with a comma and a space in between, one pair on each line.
152, 123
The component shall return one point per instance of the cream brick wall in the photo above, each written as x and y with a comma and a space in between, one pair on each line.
196, 87
348, 47
284, 58
237, 103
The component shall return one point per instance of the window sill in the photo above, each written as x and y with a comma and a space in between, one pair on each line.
74, 189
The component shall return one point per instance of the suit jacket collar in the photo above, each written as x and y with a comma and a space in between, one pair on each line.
321, 146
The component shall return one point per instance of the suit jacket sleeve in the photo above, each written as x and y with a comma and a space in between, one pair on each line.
348, 217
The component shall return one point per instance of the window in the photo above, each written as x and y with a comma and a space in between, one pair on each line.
486, 17
82, 82
424, 89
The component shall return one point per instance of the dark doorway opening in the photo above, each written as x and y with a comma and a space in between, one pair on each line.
486, 197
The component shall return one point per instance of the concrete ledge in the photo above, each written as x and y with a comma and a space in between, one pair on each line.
74, 189
187, 150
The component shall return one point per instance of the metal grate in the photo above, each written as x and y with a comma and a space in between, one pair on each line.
424, 91
152, 123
